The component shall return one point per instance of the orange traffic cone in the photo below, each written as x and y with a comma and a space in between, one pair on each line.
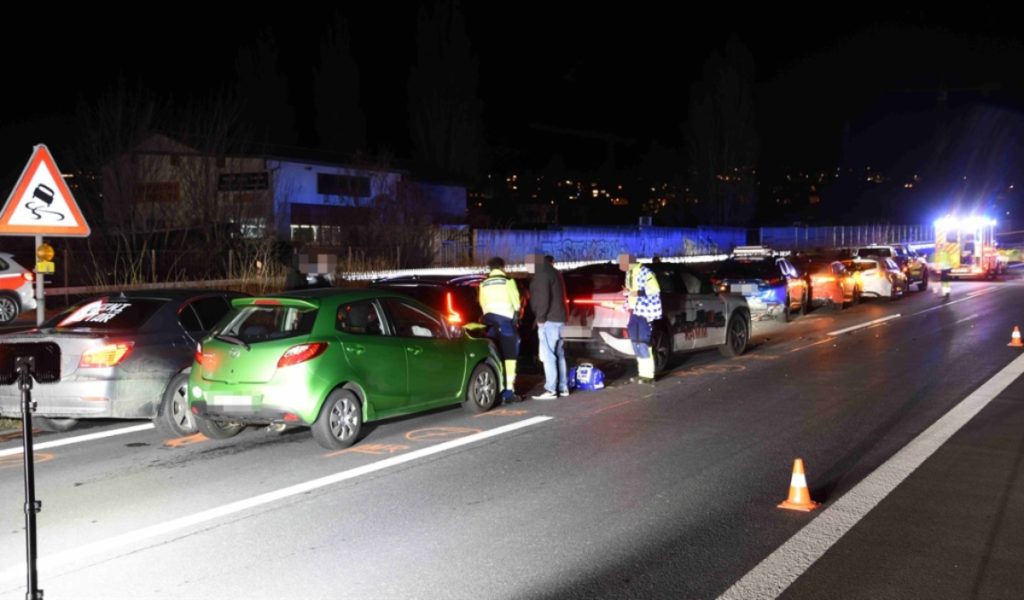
1015, 338
799, 497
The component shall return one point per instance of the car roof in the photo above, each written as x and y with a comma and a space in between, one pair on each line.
171, 293
437, 280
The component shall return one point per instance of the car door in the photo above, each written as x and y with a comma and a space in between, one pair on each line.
708, 310
376, 358
436, 364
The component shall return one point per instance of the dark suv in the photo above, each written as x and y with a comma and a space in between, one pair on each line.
912, 265
457, 297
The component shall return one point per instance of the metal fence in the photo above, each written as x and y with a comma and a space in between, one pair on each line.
810, 238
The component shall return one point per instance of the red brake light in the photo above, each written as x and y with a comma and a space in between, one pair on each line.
453, 315
28, 275
106, 355
773, 281
267, 302
301, 353
207, 361
586, 301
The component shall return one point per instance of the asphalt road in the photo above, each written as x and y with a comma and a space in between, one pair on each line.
630, 492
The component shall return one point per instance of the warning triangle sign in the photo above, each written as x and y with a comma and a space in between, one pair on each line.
41, 203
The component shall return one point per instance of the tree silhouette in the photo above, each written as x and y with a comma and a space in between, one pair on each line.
263, 91
721, 138
444, 107
340, 123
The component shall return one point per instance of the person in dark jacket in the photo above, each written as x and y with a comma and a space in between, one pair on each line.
547, 300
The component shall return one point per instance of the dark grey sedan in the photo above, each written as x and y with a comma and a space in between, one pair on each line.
123, 356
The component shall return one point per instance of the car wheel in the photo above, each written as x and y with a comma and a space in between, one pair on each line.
9, 309
923, 284
737, 336
805, 302
340, 420
481, 390
783, 315
856, 295
174, 417
54, 424
218, 430
661, 347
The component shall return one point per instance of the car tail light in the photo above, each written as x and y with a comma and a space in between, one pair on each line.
28, 276
206, 361
773, 281
301, 353
586, 301
824, 279
453, 315
106, 355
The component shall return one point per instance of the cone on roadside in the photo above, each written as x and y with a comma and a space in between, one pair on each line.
799, 496
1015, 338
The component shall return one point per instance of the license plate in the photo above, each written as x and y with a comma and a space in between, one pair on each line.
227, 400
744, 288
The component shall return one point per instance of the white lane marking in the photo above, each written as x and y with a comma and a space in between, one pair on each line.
982, 291
974, 316
863, 325
952, 302
781, 568
131, 537
79, 439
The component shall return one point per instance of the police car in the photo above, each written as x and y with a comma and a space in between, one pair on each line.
695, 315
771, 284
16, 294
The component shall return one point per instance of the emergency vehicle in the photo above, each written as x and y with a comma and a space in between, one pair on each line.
965, 248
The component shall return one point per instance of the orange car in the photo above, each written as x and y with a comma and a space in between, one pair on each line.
832, 283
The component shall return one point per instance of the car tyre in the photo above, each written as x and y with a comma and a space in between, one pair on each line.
737, 336
174, 417
340, 420
218, 430
805, 302
661, 348
783, 315
481, 389
9, 309
54, 424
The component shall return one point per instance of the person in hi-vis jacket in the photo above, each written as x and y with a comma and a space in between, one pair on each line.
499, 299
643, 301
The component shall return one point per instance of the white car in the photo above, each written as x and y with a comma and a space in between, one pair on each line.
878, 277
16, 293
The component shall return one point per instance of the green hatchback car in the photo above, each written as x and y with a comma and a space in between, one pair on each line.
332, 360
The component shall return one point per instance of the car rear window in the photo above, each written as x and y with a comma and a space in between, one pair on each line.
260, 323
586, 284
110, 314
866, 265
737, 269
464, 299
866, 252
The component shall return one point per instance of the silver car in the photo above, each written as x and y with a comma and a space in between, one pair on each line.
124, 356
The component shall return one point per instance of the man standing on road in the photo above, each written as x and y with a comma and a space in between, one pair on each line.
547, 299
643, 301
499, 299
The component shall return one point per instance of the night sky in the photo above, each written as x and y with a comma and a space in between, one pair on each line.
622, 71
